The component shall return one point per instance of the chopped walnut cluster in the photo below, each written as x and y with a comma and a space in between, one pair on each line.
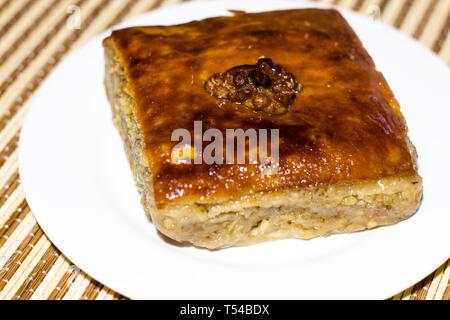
264, 86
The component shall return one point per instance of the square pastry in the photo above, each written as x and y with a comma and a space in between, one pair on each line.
297, 82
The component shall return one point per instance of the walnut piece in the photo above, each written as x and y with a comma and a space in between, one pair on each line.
264, 86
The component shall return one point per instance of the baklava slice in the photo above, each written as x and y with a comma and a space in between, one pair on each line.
345, 162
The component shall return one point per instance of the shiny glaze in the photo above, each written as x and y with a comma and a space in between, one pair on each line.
344, 126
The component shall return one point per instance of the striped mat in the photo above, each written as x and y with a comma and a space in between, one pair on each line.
33, 39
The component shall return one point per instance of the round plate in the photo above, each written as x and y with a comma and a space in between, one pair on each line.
79, 186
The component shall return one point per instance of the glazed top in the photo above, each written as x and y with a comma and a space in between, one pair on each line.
345, 124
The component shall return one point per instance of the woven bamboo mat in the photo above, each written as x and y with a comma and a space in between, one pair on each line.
34, 38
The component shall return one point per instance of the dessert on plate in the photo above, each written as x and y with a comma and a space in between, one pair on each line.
345, 162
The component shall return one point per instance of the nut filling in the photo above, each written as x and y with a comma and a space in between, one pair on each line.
264, 86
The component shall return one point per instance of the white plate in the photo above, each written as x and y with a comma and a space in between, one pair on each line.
79, 187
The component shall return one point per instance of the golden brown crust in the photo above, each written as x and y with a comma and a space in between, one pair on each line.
344, 126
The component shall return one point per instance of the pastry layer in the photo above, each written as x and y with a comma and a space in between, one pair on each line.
344, 125
346, 163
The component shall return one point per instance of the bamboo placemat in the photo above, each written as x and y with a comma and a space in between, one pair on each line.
34, 36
